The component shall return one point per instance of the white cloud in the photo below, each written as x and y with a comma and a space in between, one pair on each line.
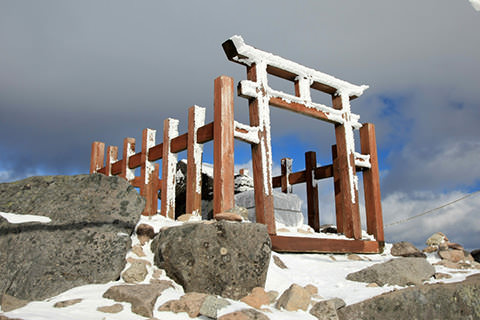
475, 4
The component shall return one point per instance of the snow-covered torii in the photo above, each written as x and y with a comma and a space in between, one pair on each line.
261, 96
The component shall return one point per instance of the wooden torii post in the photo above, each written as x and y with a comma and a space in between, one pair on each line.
260, 96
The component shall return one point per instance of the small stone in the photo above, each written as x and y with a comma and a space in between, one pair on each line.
436, 239
137, 272
354, 257
283, 230
66, 303
440, 275
241, 211
311, 289
141, 296
245, 314
10, 303
257, 298
372, 285
430, 249
157, 273
228, 216
443, 247
272, 295
185, 217
406, 249
138, 251
211, 305
145, 233
278, 262
190, 303
328, 229
294, 298
115, 308
142, 261
332, 258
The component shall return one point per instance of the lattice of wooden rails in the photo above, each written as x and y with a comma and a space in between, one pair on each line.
224, 129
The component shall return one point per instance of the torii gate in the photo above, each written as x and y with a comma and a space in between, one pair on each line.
261, 96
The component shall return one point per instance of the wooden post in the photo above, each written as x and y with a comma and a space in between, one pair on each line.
128, 151
223, 145
261, 153
196, 119
338, 193
346, 171
286, 171
371, 183
112, 157
146, 170
169, 167
96, 158
312, 191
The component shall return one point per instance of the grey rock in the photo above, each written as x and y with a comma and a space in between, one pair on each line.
190, 303
92, 217
460, 300
476, 254
142, 297
287, 207
211, 305
278, 262
325, 310
400, 271
220, 258
406, 249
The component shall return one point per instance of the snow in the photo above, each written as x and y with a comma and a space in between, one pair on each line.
199, 120
24, 218
475, 4
327, 272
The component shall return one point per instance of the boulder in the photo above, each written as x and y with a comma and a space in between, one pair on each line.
142, 297
137, 272
287, 207
85, 242
452, 255
406, 249
9, 303
436, 239
460, 300
400, 271
220, 258
476, 254
327, 309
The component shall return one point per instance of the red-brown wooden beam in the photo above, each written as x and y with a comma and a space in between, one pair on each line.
312, 191
261, 154
371, 183
223, 145
128, 150
350, 207
316, 245
112, 157
338, 194
196, 118
97, 156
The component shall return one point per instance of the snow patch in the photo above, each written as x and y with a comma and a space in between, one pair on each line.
24, 218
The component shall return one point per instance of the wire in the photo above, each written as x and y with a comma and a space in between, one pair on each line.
431, 210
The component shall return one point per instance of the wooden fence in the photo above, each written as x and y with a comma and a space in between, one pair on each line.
224, 129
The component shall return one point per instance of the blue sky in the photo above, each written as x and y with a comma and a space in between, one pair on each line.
75, 72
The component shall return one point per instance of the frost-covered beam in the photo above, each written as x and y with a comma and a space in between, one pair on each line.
112, 157
128, 151
169, 166
246, 133
237, 51
196, 119
362, 160
147, 172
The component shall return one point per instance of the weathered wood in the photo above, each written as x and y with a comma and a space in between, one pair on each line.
347, 176
112, 157
338, 194
135, 161
151, 192
205, 133
147, 168
316, 245
196, 119
312, 191
169, 166
223, 145
261, 153
371, 183
97, 155
128, 151
156, 152
286, 164
322, 172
